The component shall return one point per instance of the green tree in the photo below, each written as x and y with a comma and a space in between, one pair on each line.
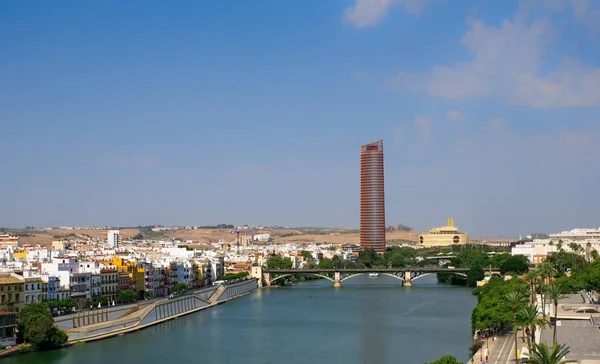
103, 300
594, 254
554, 292
370, 258
306, 255
337, 261
515, 299
178, 287
446, 359
277, 262
326, 263
36, 327
475, 274
527, 317
542, 354
67, 303
126, 295
515, 263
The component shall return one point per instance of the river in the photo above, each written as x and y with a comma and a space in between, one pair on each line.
368, 321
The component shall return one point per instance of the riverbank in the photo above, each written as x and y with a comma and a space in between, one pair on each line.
98, 325
161, 311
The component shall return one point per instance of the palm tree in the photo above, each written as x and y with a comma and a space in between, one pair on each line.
528, 317
533, 276
542, 354
555, 293
588, 248
515, 299
547, 271
594, 254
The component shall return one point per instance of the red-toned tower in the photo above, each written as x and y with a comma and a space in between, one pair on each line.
372, 198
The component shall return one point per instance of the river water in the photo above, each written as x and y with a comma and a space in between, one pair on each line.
369, 320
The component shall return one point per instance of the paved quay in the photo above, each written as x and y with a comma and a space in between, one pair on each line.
160, 311
502, 349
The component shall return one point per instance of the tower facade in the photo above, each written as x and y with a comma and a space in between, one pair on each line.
372, 197
113, 238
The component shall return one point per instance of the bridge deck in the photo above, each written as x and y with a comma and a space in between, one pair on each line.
369, 270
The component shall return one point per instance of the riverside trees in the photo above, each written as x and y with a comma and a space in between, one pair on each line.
542, 354
36, 327
446, 359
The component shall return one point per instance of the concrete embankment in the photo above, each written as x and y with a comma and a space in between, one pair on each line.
142, 316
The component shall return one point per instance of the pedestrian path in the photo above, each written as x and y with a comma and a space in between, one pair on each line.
502, 349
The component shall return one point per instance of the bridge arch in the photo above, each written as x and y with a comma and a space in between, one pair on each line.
426, 274
395, 276
351, 276
273, 280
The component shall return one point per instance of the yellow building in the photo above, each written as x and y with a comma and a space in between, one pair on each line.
11, 292
136, 274
20, 255
443, 236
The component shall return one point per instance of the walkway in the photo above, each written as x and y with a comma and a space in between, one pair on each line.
502, 350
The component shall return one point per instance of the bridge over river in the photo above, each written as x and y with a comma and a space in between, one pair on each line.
407, 275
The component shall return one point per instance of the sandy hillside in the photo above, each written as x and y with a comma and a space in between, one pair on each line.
207, 236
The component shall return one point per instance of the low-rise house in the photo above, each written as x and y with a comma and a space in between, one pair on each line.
33, 291
109, 282
81, 290
124, 282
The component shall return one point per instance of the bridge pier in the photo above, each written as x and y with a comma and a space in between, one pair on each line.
407, 282
337, 281
267, 279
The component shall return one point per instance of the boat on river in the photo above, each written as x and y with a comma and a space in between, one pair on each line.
373, 275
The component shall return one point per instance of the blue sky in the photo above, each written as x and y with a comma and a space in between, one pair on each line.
188, 112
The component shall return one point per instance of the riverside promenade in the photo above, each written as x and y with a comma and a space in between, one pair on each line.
102, 324
502, 349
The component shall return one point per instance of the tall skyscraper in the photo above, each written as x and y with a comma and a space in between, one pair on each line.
372, 198
113, 238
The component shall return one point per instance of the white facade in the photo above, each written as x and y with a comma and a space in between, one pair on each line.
261, 237
113, 238
587, 239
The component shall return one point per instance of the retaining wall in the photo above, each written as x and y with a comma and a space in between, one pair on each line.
159, 311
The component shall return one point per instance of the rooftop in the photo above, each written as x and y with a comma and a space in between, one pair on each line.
579, 335
9, 279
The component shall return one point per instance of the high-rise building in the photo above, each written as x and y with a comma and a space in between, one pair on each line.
372, 198
113, 238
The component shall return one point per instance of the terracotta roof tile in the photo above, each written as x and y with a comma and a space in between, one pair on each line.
8, 279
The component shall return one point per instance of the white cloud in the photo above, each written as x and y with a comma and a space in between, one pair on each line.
507, 63
456, 117
366, 13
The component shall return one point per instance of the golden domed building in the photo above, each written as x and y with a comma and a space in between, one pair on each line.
443, 236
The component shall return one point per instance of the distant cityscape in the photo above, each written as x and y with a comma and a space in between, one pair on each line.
82, 268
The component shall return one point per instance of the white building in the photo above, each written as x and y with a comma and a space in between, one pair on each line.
261, 237
539, 249
113, 238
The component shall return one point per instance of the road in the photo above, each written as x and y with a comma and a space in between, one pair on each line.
501, 350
